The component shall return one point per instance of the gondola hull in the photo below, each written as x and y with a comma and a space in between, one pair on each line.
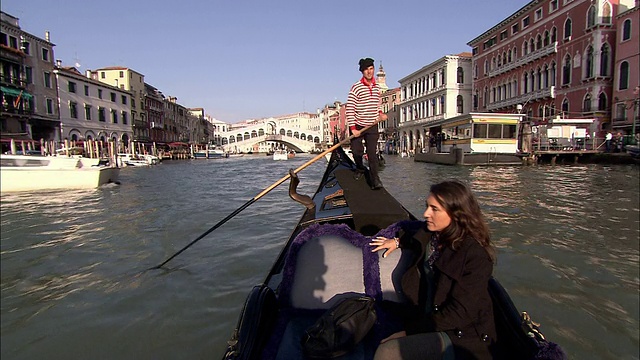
327, 258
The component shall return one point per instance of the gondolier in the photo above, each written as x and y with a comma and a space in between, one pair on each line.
363, 109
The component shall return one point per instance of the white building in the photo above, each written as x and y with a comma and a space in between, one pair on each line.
437, 91
92, 110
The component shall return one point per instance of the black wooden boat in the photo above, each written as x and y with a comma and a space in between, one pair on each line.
327, 257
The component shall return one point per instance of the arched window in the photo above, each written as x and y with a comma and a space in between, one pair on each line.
565, 105
509, 55
532, 47
606, 13
626, 30
586, 103
541, 111
591, 16
546, 38
567, 29
589, 63
624, 76
566, 71
539, 78
525, 83
604, 60
552, 76
602, 102
460, 104
538, 42
554, 34
525, 48
545, 77
485, 97
460, 77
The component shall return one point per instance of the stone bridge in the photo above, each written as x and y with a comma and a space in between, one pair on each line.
261, 138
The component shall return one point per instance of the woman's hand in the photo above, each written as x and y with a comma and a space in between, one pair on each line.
390, 245
394, 336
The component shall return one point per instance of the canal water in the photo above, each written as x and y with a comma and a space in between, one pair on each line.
72, 263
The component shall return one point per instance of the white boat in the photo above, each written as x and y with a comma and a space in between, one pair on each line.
283, 155
33, 173
209, 154
131, 160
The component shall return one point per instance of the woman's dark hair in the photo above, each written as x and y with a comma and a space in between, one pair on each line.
466, 217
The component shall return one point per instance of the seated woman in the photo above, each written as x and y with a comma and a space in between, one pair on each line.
454, 320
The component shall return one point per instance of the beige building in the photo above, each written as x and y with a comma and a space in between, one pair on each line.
436, 92
132, 81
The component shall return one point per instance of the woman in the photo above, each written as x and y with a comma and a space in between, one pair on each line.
458, 321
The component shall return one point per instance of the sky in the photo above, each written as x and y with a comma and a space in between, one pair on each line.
252, 59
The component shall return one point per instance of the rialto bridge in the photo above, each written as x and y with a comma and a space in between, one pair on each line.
269, 135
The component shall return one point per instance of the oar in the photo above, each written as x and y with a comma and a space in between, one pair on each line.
265, 192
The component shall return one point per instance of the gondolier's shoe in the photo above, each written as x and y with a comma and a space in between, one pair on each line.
358, 174
376, 183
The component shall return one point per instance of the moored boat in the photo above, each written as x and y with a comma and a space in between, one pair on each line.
327, 258
210, 154
280, 155
34, 173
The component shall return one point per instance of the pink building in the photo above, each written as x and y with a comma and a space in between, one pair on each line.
626, 93
551, 58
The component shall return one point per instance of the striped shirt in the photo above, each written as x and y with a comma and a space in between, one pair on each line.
363, 104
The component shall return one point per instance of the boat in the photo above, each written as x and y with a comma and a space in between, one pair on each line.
34, 173
280, 155
209, 154
135, 160
633, 150
327, 258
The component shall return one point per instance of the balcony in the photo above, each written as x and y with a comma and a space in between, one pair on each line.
13, 80
535, 55
16, 111
549, 92
140, 124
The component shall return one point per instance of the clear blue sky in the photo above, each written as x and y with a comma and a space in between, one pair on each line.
251, 59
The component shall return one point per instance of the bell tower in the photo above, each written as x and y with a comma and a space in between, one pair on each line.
381, 79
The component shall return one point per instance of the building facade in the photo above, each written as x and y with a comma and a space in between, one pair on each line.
436, 92
551, 58
29, 99
154, 105
626, 83
92, 110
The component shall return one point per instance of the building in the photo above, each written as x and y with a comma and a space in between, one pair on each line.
132, 81
92, 110
430, 95
29, 99
388, 129
626, 90
550, 59
154, 105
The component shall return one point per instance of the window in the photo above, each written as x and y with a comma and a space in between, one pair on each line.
13, 42
45, 54
28, 71
87, 112
566, 71
124, 99
460, 104
460, 76
553, 5
538, 14
503, 35
121, 74
99, 93
626, 30
113, 97
514, 29
124, 117
47, 80
133, 103
591, 16
101, 114
565, 105
624, 76
114, 116
103, 75
73, 110
49, 106
589, 63
86, 90
602, 102
141, 105
525, 22
604, 60
26, 47
567, 29
480, 131
72, 87
586, 104
621, 111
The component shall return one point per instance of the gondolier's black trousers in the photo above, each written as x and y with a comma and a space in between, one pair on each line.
370, 138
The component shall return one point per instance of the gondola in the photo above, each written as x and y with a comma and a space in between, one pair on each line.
327, 258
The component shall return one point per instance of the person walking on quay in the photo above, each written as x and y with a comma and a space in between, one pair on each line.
362, 110
607, 141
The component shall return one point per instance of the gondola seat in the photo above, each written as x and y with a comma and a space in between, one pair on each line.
324, 264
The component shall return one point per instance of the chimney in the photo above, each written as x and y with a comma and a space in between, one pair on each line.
47, 36
88, 74
59, 63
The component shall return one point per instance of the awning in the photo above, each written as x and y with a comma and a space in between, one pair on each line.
16, 92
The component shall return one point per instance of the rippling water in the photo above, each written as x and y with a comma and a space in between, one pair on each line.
72, 263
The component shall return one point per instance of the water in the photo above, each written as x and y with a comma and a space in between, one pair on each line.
72, 263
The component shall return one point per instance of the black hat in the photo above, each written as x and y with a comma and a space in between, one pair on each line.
365, 63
